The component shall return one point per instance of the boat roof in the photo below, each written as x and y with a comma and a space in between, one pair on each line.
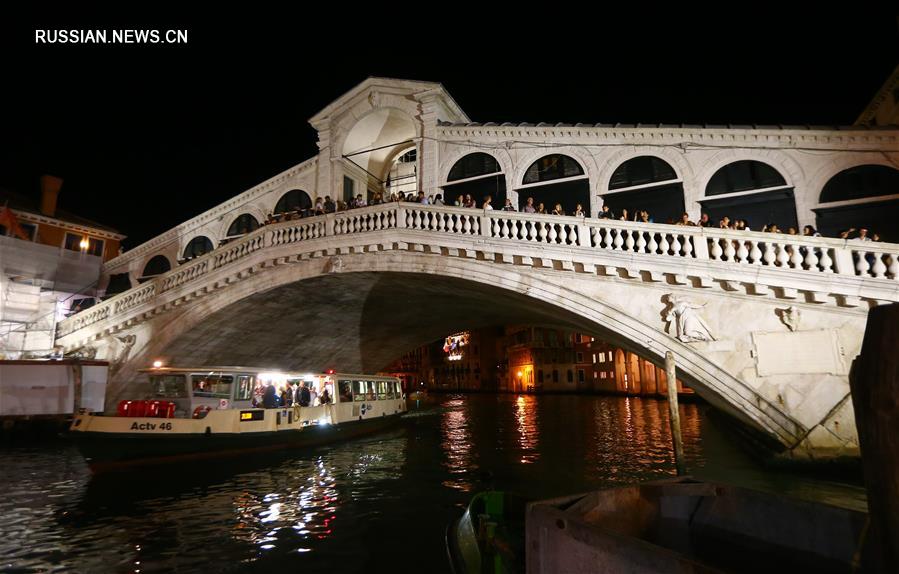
218, 369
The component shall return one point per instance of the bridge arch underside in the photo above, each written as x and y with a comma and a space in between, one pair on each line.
360, 312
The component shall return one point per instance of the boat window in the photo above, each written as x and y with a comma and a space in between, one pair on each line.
360, 390
346, 391
382, 390
245, 384
397, 390
389, 386
212, 385
168, 386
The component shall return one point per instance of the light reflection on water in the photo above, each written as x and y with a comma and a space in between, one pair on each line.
337, 509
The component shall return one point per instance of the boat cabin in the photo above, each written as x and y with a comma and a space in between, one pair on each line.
193, 390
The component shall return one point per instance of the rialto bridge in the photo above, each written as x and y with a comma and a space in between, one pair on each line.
764, 326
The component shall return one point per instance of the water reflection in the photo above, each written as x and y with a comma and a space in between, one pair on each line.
528, 428
334, 509
457, 445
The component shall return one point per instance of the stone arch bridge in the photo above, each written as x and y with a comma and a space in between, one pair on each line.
780, 317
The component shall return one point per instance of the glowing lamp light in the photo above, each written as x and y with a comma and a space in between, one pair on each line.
330, 371
157, 364
520, 374
84, 244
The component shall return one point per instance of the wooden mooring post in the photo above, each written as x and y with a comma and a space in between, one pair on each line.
674, 414
874, 384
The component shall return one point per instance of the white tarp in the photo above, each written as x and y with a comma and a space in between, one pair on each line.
47, 388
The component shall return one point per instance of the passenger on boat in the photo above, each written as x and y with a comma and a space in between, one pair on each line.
313, 396
326, 398
304, 395
270, 398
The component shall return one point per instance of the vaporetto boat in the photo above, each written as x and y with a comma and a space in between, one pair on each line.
195, 413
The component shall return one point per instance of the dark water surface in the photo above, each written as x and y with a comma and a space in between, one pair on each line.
379, 504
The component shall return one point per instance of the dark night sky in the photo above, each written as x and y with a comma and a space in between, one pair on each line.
148, 136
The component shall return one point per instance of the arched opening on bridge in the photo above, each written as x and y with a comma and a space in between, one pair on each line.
379, 144
752, 191
291, 323
157, 265
865, 196
197, 247
646, 183
403, 175
553, 179
477, 174
294, 200
242, 225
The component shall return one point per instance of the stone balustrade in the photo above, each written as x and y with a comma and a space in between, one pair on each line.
810, 256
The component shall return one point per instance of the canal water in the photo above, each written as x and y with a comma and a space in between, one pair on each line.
379, 504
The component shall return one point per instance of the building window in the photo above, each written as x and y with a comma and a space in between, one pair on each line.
555, 376
349, 189
580, 357
580, 376
595, 375
602, 375
602, 357
74, 241
570, 376
30, 229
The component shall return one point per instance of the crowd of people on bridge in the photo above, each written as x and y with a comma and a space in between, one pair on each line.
328, 205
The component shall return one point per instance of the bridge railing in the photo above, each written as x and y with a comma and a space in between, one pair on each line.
728, 247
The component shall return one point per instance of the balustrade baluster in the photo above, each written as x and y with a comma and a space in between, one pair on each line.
878, 269
618, 241
729, 250
505, 231
742, 252
862, 267
606, 238
675, 245
716, 251
641, 242
688, 246
466, 227
653, 246
543, 233
663, 245
629, 242
795, 256
894, 266
782, 257
562, 236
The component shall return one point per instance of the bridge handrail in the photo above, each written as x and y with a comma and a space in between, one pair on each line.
729, 247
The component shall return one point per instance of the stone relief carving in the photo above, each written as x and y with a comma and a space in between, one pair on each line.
688, 325
790, 317
86, 352
121, 358
334, 265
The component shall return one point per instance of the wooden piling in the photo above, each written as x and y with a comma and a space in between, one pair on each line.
874, 385
674, 414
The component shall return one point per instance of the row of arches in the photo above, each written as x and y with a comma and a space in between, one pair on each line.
293, 200
861, 196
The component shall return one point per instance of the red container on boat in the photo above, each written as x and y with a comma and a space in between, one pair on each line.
152, 409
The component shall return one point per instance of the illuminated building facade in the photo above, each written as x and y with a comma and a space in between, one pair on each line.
50, 266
